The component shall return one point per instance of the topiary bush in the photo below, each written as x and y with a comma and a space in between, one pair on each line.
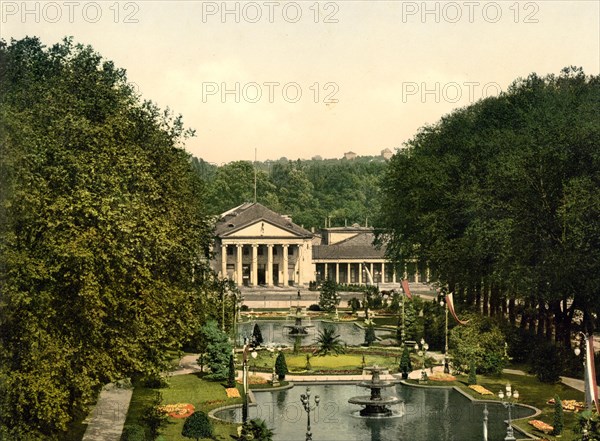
558, 416
197, 426
314, 307
281, 368
472, 373
134, 432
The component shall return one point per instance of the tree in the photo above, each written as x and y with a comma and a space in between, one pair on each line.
197, 426
405, 363
329, 342
281, 366
231, 373
218, 350
354, 304
103, 235
472, 373
558, 416
329, 298
370, 335
153, 417
257, 338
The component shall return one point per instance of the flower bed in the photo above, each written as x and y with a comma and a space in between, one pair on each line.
541, 426
569, 405
254, 379
480, 389
232, 392
440, 376
179, 410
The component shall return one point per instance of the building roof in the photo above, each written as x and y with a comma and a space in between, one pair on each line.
355, 247
248, 214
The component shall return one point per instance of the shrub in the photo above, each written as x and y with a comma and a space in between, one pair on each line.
232, 373
547, 363
405, 363
558, 416
197, 426
354, 304
155, 382
257, 338
314, 307
472, 373
329, 298
281, 366
134, 432
370, 335
154, 418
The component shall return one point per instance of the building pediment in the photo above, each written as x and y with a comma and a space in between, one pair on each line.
261, 228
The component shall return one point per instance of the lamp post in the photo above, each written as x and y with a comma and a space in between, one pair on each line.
422, 352
245, 379
443, 303
305, 399
508, 404
577, 350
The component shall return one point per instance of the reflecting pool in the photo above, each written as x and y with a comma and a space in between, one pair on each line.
427, 414
274, 332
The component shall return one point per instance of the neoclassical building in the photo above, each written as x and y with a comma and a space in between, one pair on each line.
254, 246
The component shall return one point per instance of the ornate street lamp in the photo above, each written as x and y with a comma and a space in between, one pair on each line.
422, 352
443, 303
245, 379
508, 404
305, 399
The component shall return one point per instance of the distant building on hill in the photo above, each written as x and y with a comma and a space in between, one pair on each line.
254, 246
387, 154
349, 156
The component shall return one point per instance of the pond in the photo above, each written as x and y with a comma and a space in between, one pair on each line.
274, 332
428, 414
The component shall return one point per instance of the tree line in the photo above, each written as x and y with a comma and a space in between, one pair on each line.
315, 193
502, 199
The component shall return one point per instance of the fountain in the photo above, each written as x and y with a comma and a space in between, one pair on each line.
376, 406
298, 328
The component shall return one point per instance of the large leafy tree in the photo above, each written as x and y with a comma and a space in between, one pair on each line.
103, 236
500, 197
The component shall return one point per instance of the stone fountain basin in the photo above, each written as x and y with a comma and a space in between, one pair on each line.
366, 400
376, 385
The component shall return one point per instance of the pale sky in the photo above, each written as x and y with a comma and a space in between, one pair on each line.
305, 78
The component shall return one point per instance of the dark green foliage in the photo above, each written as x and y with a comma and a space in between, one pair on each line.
133, 432
197, 426
369, 335
154, 418
588, 423
472, 373
354, 304
255, 430
232, 372
281, 368
103, 234
218, 349
558, 423
480, 341
405, 363
257, 338
547, 362
314, 307
329, 298
504, 198
328, 342
155, 381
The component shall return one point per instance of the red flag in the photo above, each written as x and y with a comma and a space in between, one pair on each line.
405, 288
591, 388
450, 303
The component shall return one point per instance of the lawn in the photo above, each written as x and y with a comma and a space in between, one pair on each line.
204, 395
532, 392
296, 363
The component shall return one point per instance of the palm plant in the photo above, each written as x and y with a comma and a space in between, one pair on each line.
329, 342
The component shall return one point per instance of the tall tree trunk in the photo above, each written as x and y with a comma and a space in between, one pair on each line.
511, 311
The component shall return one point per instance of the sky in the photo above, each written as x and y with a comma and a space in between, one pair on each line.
306, 78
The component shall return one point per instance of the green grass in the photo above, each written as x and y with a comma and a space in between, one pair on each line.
348, 361
204, 395
534, 393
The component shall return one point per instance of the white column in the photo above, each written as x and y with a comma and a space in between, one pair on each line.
285, 277
360, 265
348, 274
371, 271
269, 265
337, 272
223, 261
382, 272
254, 267
238, 265
299, 262
394, 274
